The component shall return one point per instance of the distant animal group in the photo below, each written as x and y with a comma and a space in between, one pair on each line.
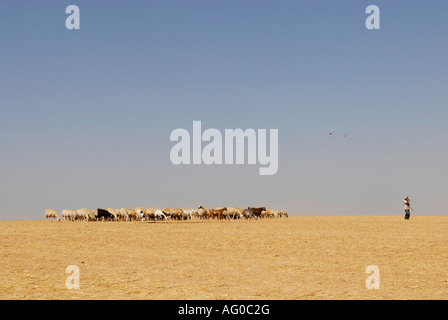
152, 214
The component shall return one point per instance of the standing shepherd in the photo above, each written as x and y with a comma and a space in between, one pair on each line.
407, 208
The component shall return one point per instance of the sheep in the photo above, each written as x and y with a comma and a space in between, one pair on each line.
275, 214
143, 214
217, 213
265, 213
234, 213
51, 214
247, 214
284, 213
202, 212
132, 215
93, 215
188, 213
211, 214
176, 213
150, 214
225, 215
140, 212
104, 215
159, 215
83, 214
113, 212
256, 211
194, 214
167, 212
122, 215
69, 214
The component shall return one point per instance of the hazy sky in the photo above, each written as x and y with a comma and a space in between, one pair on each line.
86, 115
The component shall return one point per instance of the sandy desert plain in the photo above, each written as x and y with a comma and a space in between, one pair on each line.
289, 258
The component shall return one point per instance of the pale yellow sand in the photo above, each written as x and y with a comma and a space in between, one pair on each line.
294, 258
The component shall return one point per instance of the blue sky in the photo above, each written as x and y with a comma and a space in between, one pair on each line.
86, 115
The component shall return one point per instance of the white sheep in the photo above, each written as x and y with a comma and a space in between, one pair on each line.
68, 214
51, 214
159, 215
140, 213
83, 214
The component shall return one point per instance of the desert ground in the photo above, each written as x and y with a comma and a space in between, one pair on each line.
289, 258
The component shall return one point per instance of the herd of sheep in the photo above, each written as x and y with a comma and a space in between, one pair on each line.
152, 214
